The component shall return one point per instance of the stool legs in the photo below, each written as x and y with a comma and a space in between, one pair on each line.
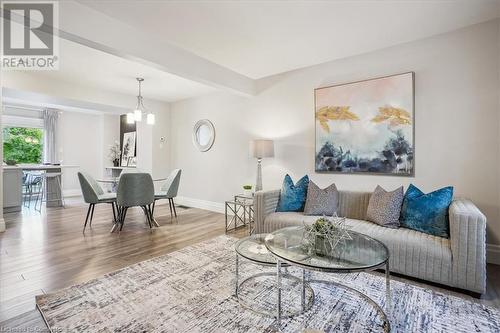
61, 196
46, 195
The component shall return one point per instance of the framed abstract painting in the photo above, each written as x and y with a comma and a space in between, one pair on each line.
366, 127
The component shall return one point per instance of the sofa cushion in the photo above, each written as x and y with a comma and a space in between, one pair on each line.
321, 201
384, 207
353, 204
427, 212
293, 197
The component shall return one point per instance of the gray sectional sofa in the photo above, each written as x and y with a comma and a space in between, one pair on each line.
459, 261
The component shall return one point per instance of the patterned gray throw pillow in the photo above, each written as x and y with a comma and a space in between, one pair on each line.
384, 207
321, 201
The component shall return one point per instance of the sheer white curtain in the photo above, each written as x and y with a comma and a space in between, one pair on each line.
50, 117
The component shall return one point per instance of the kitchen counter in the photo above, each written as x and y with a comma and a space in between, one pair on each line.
12, 189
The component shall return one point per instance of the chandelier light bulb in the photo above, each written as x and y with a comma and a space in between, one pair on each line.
150, 119
137, 115
130, 118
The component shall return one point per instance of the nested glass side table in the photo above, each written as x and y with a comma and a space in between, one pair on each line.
239, 213
253, 291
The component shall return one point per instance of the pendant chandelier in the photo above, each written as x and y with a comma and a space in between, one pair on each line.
140, 109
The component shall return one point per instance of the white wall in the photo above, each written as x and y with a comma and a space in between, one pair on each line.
457, 123
161, 150
110, 134
83, 140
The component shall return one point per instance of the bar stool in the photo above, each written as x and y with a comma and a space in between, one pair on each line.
25, 188
46, 195
32, 183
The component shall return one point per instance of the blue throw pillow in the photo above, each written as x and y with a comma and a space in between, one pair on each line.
293, 197
427, 213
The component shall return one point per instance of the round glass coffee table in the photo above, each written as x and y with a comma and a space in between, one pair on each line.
252, 249
360, 253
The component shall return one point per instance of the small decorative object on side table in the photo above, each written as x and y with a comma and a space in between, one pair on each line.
242, 209
247, 190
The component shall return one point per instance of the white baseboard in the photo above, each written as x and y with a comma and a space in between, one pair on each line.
201, 204
72, 193
2, 224
493, 254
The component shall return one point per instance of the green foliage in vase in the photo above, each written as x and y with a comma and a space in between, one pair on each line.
247, 187
23, 145
322, 226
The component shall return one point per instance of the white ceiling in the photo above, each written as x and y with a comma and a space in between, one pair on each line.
89, 67
261, 38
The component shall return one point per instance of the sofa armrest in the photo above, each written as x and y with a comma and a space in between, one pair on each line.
265, 203
468, 245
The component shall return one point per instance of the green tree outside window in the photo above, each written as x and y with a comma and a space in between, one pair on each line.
22, 144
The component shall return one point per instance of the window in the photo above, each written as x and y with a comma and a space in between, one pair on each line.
22, 144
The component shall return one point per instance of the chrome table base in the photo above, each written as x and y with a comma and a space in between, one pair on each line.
380, 311
306, 292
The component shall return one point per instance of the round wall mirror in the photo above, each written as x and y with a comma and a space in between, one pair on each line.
203, 135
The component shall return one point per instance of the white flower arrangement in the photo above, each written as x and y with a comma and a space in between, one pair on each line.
114, 152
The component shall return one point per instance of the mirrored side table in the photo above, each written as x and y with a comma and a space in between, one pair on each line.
239, 213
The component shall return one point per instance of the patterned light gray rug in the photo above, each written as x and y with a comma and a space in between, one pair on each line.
191, 290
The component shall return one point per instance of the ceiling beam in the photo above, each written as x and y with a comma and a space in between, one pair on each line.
20, 97
86, 26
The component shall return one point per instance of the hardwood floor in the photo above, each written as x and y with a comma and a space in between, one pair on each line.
40, 253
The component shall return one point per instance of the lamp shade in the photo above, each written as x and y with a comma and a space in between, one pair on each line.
262, 148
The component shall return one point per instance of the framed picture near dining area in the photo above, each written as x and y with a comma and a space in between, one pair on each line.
128, 149
366, 127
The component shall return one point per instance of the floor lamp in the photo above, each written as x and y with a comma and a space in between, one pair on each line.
261, 149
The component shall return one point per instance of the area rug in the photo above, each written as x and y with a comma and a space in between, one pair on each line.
192, 290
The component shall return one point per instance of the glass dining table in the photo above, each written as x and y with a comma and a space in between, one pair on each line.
112, 182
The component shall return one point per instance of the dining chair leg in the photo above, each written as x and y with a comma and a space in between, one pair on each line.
91, 215
114, 213
118, 218
148, 217
146, 214
170, 206
123, 217
151, 213
87, 218
173, 205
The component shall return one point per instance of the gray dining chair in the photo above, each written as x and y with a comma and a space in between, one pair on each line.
134, 190
169, 190
93, 194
